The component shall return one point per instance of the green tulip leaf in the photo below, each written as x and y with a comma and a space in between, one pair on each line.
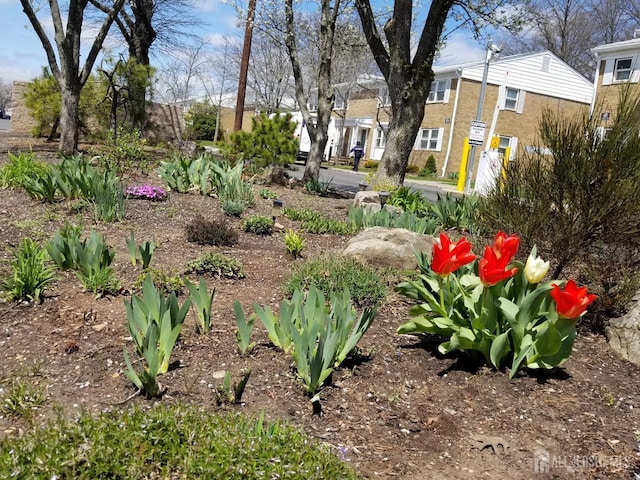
499, 349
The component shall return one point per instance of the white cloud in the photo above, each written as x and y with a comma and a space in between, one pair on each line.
460, 48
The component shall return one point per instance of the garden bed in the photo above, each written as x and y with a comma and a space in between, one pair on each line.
400, 411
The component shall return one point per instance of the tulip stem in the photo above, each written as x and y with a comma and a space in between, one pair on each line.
441, 292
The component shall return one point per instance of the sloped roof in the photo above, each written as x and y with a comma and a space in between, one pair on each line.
633, 44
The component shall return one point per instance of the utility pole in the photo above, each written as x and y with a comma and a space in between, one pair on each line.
492, 50
244, 66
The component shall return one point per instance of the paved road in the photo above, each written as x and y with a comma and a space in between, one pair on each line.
348, 180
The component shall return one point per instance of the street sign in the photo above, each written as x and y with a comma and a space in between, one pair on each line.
476, 133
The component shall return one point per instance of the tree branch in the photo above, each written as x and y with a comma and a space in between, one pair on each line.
48, 48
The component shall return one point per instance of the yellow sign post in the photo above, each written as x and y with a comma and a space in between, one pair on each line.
463, 165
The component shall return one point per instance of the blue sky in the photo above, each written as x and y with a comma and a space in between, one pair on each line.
22, 56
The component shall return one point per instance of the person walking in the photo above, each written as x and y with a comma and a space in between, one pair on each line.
358, 152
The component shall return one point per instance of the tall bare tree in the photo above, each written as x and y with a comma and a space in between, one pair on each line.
180, 78
318, 125
408, 70
143, 24
68, 73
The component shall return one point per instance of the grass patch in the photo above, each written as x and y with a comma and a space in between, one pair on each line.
368, 286
168, 442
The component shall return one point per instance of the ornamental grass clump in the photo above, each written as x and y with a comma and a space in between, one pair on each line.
494, 307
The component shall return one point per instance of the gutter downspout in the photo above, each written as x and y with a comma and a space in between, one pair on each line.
453, 123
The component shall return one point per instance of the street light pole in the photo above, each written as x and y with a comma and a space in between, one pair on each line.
491, 51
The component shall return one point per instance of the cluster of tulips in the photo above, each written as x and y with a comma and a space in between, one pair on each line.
494, 305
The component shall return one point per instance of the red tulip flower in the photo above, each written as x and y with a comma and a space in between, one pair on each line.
493, 269
572, 301
448, 256
493, 266
505, 247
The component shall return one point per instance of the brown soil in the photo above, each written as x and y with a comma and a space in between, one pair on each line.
402, 411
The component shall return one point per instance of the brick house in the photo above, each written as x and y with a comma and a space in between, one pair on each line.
617, 68
519, 89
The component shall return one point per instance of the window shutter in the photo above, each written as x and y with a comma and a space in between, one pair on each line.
502, 93
607, 77
440, 138
513, 144
447, 91
635, 71
520, 106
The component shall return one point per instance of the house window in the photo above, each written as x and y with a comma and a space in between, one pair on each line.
380, 140
430, 139
340, 102
312, 104
437, 91
505, 142
511, 99
622, 70
383, 97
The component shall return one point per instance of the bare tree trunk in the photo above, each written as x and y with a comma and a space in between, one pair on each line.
318, 133
403, 128
69, 119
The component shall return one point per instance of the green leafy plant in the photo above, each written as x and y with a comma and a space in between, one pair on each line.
216, 264
123, 152
21, 168
160, 430
146, 379
167, 281
318, 187
204, 232
456, 212
258, 225
201, 121
429, 169
301, 214
43, 187
31, 272
62, 248
100, 281
237, 190
232, 394
270, 142
202, 302
365, 218
503, 314
154, 322
175, 173
328, 273
245, 328
107, 197
233, 208
22, 398
267, 194
143, 253
319, 337
408, 200
294, 243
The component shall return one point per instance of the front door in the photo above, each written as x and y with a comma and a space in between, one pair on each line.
363, 135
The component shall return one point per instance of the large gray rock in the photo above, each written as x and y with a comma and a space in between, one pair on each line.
389, 247
365, 198
624, 333
368, 201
